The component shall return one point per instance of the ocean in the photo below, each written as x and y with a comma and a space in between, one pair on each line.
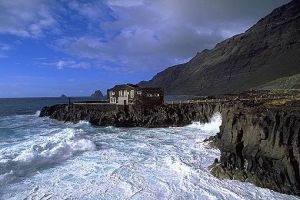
41, 158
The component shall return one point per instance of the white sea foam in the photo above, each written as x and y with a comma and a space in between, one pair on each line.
82, 122
45, 151
37, 113
56, 148
212, 126
139, 163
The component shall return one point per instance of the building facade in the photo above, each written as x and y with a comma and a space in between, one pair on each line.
128, 94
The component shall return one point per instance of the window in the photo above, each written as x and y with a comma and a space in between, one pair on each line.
120, 93
149, 95
112, 93
139, 92
132, 94
112, 100
125, 93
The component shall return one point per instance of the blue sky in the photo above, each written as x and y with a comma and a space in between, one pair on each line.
74, 47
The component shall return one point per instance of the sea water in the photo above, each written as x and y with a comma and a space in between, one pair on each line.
41, 158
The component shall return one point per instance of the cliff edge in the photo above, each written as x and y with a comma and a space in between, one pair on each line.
260, 143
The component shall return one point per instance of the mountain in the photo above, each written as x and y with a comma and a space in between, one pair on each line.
266, 52
63, 96
97, 94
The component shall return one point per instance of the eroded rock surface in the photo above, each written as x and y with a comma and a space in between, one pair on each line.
133, 116
261, 145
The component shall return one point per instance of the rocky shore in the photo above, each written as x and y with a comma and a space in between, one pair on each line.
259, 137
133, 116
261, 145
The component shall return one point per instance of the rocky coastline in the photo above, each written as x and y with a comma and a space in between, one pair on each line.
133, 116
260, 145
259, 138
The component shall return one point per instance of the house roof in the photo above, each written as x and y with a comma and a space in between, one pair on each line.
124, 85
117, 87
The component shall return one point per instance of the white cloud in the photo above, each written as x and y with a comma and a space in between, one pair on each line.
149, 34
28, 18
93, 10
63, 64
71, 64
3, 49
131, 34
125, 3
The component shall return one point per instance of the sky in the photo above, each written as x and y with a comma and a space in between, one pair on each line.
74, 47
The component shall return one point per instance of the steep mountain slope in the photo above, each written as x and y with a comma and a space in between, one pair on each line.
267, 51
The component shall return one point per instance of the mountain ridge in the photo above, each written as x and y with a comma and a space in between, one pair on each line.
267, 51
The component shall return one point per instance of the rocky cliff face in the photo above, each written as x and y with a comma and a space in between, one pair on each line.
262, 146
267, 51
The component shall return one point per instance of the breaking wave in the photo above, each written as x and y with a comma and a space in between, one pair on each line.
37, 113
41, 158
213, 125
52, 150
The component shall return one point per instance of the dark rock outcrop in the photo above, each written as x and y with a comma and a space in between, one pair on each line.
97, 94
261, 145
133, 116
266, 52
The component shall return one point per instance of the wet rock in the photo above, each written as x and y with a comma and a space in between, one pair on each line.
261, 145
133, 116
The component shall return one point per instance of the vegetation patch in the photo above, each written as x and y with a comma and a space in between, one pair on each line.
279, 102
